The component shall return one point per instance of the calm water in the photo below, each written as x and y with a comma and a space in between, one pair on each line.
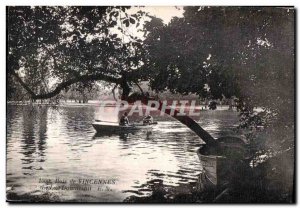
48, 143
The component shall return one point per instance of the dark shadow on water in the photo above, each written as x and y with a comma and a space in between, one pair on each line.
123, 136
161, 193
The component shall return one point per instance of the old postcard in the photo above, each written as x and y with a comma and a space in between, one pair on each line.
132, 104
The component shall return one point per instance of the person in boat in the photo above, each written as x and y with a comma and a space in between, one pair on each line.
124, 121
148, 119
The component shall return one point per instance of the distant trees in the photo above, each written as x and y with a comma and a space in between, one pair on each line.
81, 93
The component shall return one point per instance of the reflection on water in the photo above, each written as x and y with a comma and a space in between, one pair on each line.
44, 142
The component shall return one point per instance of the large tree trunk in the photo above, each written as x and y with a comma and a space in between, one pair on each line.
186, 120
125, 87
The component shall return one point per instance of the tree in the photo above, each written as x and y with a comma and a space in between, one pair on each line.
74, 45
246, 52
67, 45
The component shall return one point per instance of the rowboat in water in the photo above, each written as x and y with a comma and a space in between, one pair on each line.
101, 126
218, 168
213, 166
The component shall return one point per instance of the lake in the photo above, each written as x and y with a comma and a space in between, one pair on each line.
59, 143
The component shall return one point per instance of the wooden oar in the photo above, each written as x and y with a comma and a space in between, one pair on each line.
105, 121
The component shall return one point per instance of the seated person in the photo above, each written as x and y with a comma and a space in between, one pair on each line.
148, 119
124, 121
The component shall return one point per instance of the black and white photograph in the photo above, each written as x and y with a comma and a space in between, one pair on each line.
150, 104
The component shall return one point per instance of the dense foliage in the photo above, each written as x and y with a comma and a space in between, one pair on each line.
225, 52
51, 48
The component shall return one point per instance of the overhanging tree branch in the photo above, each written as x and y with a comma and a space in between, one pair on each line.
65, 84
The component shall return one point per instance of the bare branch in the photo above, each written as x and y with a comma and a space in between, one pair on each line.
139, 88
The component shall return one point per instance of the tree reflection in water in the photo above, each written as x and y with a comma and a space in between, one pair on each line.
44, 142
34, 138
